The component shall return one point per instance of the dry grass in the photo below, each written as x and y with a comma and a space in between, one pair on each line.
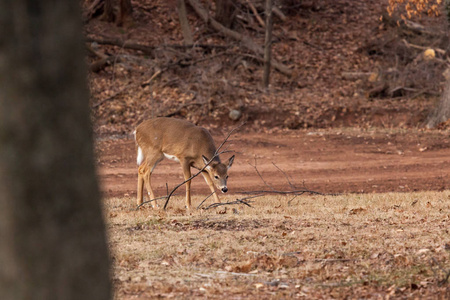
348, 246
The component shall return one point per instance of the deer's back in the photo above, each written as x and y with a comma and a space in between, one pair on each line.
175, 137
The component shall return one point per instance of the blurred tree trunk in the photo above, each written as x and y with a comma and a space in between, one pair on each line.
126, 13
52, 236
225, 12
185, 29
267, 44
441, 112
108, 14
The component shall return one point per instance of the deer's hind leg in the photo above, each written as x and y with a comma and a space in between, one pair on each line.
140, 190
144, 177
147, 178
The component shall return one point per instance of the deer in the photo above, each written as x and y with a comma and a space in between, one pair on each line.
184, 142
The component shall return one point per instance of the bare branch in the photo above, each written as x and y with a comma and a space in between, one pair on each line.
260, 176
198, 207
285, 175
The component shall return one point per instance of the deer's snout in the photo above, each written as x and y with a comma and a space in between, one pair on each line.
224, 189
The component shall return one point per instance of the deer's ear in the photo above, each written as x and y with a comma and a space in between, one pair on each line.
230, 162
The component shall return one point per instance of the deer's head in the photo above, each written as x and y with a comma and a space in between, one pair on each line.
219, 172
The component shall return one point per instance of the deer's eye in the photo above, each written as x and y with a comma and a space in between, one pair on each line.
216, 177
226, 177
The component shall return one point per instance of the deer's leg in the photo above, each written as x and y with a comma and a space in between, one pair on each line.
210, 184
187, 174
140, 189
148, 174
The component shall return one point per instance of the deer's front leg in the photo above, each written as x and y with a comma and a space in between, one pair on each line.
210, 184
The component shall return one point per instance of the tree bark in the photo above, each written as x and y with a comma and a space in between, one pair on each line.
441, 112
52, 236
267, 44
126, 13
184, 23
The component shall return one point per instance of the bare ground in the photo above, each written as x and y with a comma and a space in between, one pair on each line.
327, 161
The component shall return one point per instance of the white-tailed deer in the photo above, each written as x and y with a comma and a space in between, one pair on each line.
181, 141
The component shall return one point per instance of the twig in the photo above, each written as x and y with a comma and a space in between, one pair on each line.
198, 207
446, 272
260, 176
238, 201
255, 12
147, 82
149, 201
285, 175
293, 198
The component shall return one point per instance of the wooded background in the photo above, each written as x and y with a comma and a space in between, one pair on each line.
334, 63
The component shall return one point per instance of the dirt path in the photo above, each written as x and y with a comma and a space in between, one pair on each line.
333, 161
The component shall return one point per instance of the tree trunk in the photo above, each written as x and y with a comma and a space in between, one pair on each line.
52, 236
441, 112
225, 10
185, 29
108, 14
126, 13
267, 44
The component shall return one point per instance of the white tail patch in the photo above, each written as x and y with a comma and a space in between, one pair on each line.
140, 156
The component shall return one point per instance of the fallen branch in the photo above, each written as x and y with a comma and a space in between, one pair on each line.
255, 12
409, 45
296, 192
238, 201
147, 49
